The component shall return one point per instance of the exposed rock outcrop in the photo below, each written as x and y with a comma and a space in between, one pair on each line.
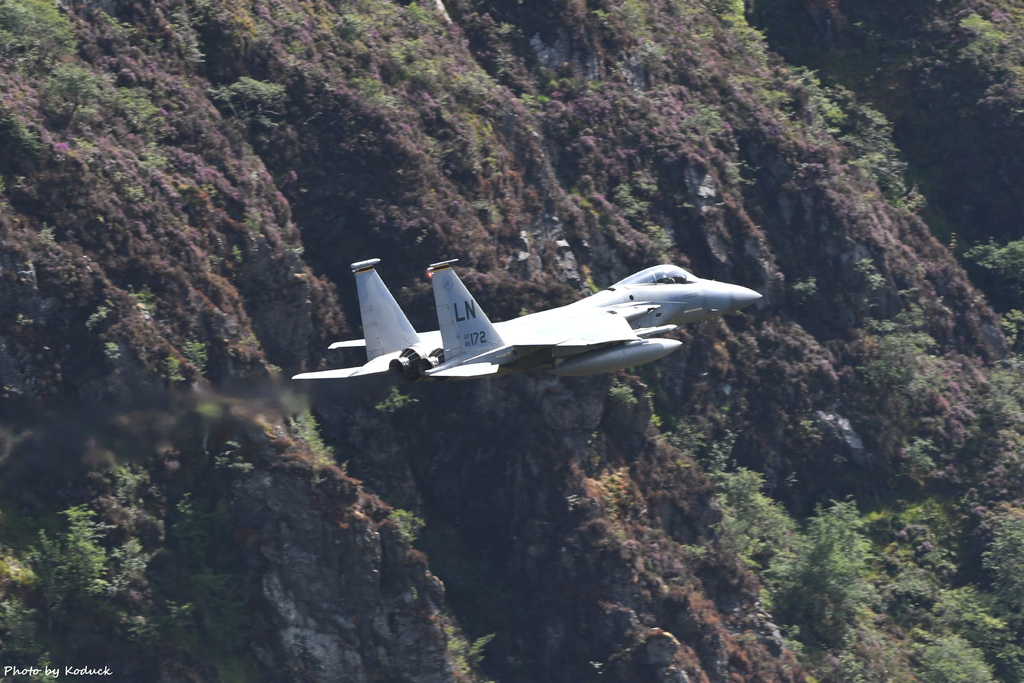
347, 598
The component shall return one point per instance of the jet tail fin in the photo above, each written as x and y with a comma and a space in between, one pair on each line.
465, 330
385, 326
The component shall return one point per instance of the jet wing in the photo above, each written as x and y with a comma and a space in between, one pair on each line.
596, 328
466, 370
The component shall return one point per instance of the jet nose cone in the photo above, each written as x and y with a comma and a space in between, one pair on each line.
742, 297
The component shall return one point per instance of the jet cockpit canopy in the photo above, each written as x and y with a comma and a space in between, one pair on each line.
657, 275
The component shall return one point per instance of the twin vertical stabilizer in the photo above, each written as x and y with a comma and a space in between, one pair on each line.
385, 326
392, 342
465, 330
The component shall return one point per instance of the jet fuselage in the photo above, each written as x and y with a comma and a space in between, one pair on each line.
609, 330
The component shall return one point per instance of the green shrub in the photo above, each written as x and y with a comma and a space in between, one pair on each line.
72, 567
622, 394
805, 289
215, 587
970, 613
394, 402
34, 30
1004, 266
756, 527
251, 101
466, 656
21, 625
174, 369
139, 112
1005, 559
73, 90
306, 428
988, 44
17, 137
951, 659
196, 353
409, 525
824, 587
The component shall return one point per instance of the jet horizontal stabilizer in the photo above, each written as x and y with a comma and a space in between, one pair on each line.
339, 373
350, 344
376, 366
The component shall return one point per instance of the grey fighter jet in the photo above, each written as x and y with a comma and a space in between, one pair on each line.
615, 328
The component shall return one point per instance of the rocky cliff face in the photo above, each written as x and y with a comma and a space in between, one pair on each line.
345, 597
592, 541
185, 186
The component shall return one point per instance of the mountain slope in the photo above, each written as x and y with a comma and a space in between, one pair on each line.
186, 185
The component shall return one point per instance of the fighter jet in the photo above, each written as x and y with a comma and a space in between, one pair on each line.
613, 329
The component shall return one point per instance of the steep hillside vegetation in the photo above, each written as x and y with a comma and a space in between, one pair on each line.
948, 77
829, 486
